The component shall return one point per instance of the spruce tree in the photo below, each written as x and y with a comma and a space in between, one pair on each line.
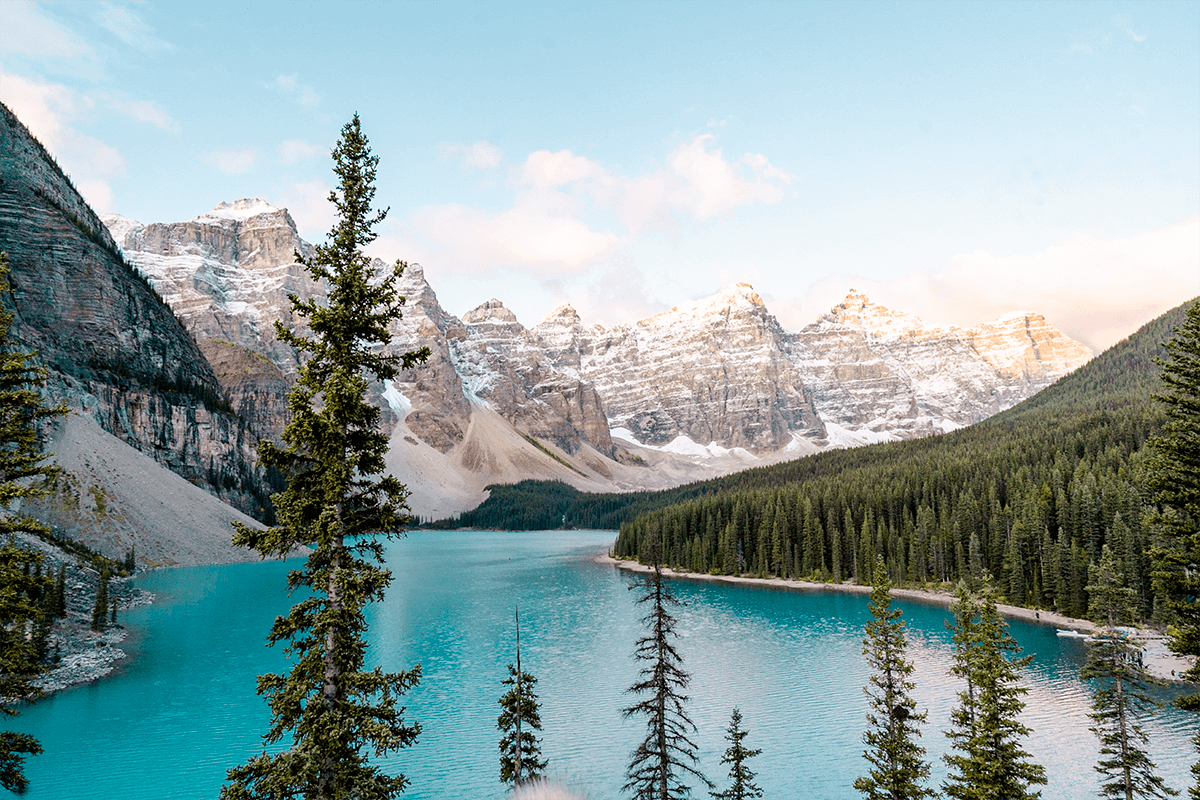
333, 713
897, 762
520, 750
987, 761
742, 785
657, 766
23, 588
1173, 477
1120, 690
23, 475
100, 608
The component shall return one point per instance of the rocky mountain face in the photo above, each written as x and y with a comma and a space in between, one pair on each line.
885, 373
716, 371
705, 388
113, 349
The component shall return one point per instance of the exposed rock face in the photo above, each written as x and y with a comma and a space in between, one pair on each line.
256, 388
716, 371
227, 274
874, 369
113, 349
721, 373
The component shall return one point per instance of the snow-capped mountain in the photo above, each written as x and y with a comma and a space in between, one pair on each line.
706, 388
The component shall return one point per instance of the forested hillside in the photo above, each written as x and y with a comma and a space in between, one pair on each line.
1031, 495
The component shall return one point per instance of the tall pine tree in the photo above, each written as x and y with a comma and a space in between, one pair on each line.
23, 589
987, 761
332, 711
897, 762
657, 767
1119, 690
742, 785
520, 751
1173, 477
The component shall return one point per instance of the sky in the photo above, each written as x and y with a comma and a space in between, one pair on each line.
954, 160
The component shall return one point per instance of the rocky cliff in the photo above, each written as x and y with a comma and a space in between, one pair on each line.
715, 371
113, 348
883, 373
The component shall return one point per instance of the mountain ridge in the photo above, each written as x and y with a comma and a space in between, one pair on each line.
708, 386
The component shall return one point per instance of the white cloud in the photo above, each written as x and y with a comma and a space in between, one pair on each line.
144, 111
562, 202
480, 155
1095, 290
520, 236
305, 95
294, 150
28, 32
545, 170
234, 161
127, 25
308, 203
47, 110
711, 185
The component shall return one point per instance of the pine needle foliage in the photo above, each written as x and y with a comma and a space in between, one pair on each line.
520, 702
332, 711
898, 763
1173, 477
26, 596
1119, 692
658, 766
987, 761
742, 785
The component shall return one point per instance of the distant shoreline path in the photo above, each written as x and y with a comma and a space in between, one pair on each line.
1160, 662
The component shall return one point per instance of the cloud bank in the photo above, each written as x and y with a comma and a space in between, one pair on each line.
1096, 290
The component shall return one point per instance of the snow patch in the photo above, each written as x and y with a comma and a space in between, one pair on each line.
948, 425
684, 446
240, 210
396, 399
841, 437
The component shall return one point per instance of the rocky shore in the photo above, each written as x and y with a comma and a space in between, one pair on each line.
1160, 662
75, 653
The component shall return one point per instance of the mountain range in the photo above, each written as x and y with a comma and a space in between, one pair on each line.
701, 390
160, 338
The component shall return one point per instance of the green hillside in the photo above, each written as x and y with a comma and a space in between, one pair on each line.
1031, 495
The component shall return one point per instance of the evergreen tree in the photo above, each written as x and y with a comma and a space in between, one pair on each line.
987, 761
1119, 690
100, 608
60, 592
1173, 477
743, 786
520, 751
23, 589
657, 765
897, 762
335, 713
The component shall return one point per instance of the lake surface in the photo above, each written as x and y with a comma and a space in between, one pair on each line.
183, 708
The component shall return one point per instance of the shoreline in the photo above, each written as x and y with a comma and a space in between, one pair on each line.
1160, 662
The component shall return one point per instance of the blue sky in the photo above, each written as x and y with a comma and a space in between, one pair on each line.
955, 160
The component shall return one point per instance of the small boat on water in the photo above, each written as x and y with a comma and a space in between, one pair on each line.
1073, 634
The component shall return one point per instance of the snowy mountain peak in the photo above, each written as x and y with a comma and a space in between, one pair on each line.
491, 311
563, 315
859, 312
241, 210
118, 226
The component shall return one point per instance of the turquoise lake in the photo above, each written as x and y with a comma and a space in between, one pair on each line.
182, 708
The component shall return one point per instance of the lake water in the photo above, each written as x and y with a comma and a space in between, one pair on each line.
183, 709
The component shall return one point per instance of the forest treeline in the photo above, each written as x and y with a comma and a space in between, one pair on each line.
1030, 495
